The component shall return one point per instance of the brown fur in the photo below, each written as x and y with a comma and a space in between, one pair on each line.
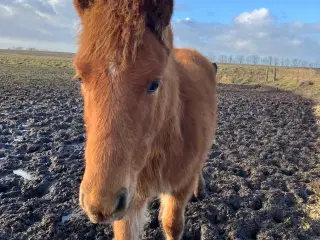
150, 144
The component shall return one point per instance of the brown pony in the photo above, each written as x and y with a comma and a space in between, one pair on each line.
150, 114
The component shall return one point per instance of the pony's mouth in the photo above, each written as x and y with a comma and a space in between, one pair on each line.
106, 220
122, 209
113, 217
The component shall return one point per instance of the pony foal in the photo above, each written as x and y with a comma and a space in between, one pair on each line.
150, 114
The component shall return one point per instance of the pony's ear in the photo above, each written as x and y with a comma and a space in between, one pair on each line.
158, 13
82, 5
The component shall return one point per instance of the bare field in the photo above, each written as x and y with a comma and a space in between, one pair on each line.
262, 174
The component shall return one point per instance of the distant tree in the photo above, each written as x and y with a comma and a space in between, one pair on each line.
265, 60
249, 59
255, 59
225, 58
17, 48
287, 62
213, 58
222, 59
240, 59
295, 62
305, 63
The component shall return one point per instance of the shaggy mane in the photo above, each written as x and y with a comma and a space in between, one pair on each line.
113, 31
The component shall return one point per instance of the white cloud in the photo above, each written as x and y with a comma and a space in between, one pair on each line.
262, 34
52, 24
296, 42
242, 44
6, 11
297, 24
260, 16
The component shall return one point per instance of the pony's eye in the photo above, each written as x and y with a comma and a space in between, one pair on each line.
153, 86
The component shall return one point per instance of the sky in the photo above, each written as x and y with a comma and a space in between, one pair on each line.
279, 28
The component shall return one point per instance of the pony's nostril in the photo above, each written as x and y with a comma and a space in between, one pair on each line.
100, 217
121, 201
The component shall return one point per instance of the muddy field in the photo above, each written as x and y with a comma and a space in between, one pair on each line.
261, 174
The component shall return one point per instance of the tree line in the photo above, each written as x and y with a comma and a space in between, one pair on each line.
269, 61
28, 49
242, 59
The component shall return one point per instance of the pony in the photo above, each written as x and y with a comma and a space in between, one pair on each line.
149, 113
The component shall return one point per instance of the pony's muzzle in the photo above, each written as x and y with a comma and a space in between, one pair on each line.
100, 211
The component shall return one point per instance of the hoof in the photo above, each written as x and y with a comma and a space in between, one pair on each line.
200, 195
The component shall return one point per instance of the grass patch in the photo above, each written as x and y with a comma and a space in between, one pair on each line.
287, 78
35, 61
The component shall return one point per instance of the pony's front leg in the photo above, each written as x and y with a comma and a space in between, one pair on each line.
200, 187
172, 212
130, 227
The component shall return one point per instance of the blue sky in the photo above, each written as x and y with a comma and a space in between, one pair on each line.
280, 28
224, 10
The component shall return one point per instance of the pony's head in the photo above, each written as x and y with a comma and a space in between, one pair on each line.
124, 51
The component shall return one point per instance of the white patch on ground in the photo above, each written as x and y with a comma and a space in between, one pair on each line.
76, 213
18, 139
23, 174
66, 218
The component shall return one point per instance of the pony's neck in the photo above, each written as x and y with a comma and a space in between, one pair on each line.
171, 74
171, 130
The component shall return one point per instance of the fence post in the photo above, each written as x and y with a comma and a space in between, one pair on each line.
267, 72
274, 74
